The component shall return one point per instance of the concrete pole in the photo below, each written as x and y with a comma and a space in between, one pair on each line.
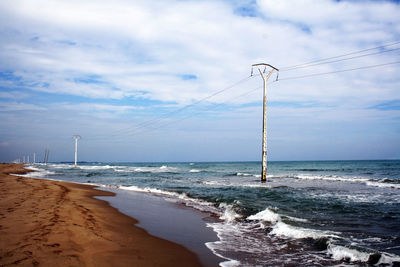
76, 150
76, 137
28, 159
34, 157
264, 141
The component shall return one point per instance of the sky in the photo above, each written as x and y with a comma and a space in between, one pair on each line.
159, 81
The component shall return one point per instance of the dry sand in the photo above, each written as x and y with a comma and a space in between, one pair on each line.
49, 223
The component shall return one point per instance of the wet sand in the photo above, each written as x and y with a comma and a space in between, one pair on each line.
49, 223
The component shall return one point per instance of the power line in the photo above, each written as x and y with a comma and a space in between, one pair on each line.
134, 129
339, 56
241, 95
343, 59
208, 109
338, 71
215, 106
289, 78
144, 124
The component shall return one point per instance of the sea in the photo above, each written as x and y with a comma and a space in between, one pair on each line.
308, 213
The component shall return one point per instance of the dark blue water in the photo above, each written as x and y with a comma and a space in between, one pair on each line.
314, 213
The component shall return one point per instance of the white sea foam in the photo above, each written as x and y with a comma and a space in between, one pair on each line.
265, 215
38, 172
366, 181
95, 167
118, 168
282, 229
145, 169
194, 170
243, 174
213, 183
231, 263
286, 230
230, 214
268, 215
384, 185
388, 259
354, 255
296, 219
343, 253
332, 178
60, 165
214, 246
150, 190
248, 174
198, 204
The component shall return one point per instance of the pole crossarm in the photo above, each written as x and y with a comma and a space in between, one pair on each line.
264, 64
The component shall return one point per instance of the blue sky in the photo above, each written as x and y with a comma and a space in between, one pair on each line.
119, 74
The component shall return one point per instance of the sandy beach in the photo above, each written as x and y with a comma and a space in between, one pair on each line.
49, 223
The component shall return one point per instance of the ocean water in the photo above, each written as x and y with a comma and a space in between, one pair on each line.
312, 213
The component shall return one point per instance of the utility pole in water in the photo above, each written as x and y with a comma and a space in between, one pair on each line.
46, 156
76, 137
265, 77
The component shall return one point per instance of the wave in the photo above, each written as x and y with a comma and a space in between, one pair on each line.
332, 178
383, 185
337, 252
60, 165
265, 215
282, 229
38, 172
229, 214
146, 169
384, 182
118, 168
196, 203
354, 254
248, 174
285, 230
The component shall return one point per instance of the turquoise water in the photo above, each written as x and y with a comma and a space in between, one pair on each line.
313, 213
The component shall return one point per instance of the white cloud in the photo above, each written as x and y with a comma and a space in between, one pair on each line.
90, 107
17, 106
145, 46
13, 95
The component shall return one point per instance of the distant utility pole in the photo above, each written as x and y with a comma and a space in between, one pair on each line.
34, 157
76, 137
23, 159
46, 156
265, 77
28, 159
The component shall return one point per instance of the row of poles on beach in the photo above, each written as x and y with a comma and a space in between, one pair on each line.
26, 159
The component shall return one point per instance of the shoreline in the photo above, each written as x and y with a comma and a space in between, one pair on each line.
170, 220
44, 222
